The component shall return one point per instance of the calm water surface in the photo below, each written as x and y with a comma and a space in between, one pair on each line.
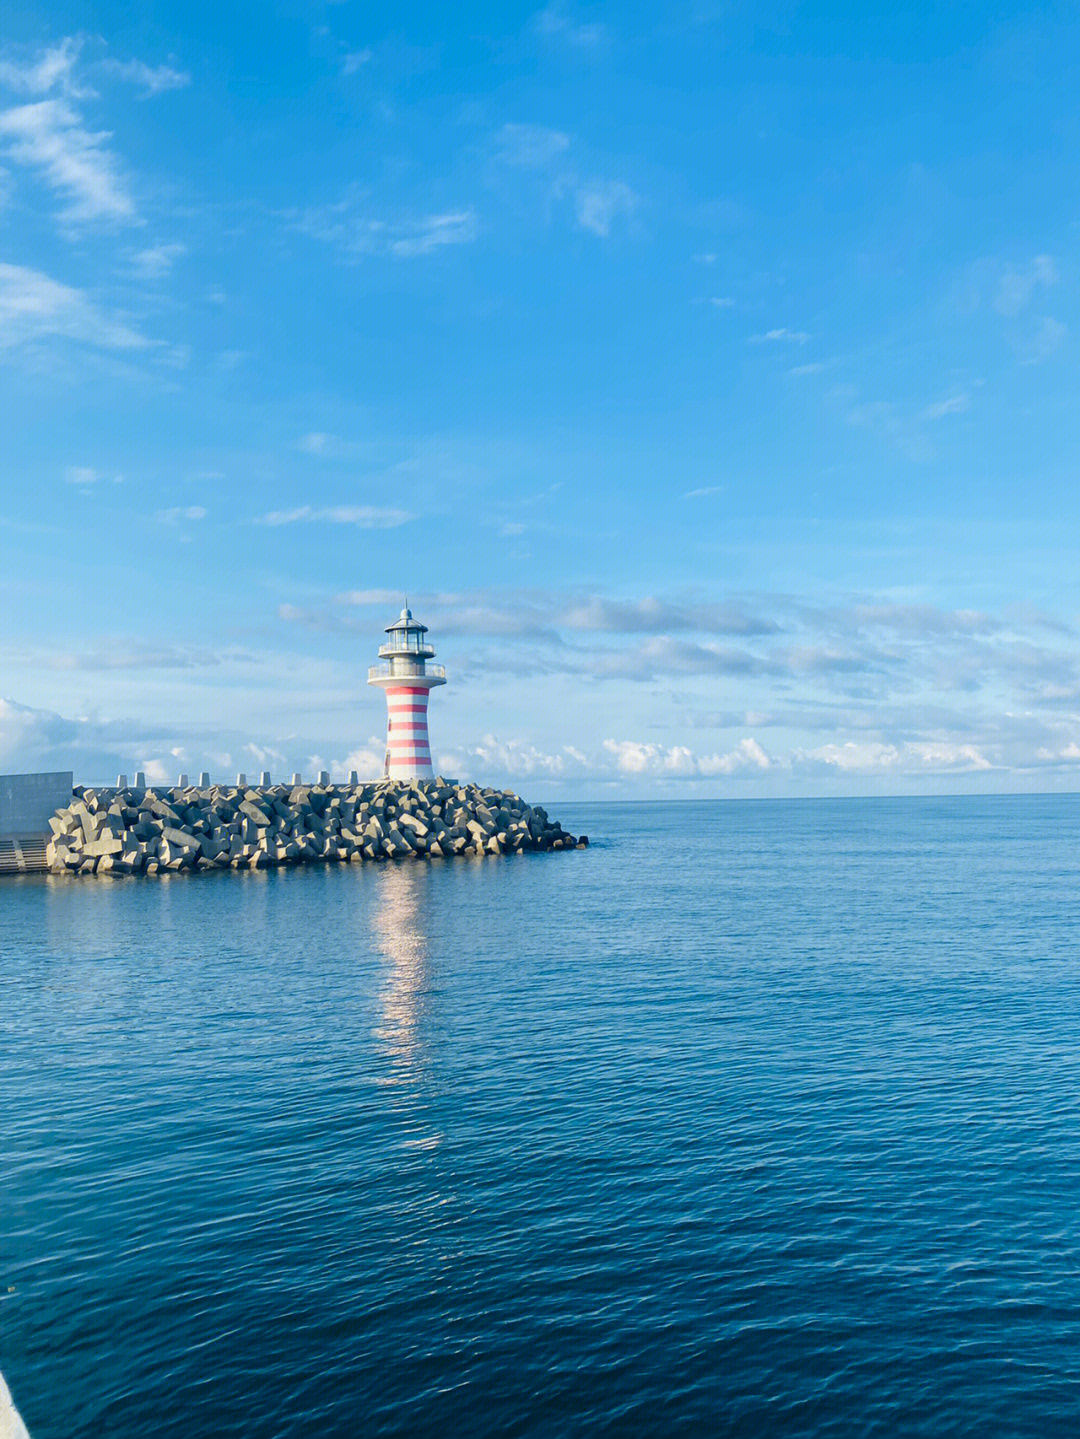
752, 1119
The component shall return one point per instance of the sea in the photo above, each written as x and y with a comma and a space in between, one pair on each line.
753, 1118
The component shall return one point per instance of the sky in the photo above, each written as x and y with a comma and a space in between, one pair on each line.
706, 374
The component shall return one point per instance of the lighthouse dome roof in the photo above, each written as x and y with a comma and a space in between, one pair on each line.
406, 622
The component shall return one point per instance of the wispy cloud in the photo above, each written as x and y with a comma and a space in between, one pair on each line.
365, 517
355, 233
879, 757
370, 597
1016, 286
33, 305
598, 203
954, 405
49, 136
52, 69
155, 262
782, 335
150, 79
511, 757
177, 513
557, 23
888, 422
354, 60
533, 146
639, 758
86, 475
1043, 341
457, 227
923, 621
654, 616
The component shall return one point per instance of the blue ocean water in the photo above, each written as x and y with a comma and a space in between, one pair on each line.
752, 1119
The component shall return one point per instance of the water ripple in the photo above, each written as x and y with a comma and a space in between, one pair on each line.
752, 1119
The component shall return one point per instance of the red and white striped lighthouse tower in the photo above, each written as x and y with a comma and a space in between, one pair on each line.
408, 679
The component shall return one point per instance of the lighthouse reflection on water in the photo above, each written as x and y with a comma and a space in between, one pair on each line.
399, 925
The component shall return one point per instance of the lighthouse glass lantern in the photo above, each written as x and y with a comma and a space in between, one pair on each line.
406, 676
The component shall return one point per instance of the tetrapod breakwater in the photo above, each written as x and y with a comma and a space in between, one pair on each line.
118, 831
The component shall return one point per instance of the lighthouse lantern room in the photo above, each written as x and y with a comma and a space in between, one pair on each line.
407, 677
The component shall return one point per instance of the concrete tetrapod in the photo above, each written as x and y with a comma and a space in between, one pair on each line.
148, 831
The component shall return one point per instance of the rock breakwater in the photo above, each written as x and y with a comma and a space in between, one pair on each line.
153, 831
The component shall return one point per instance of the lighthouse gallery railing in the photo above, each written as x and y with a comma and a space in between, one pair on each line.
378, 672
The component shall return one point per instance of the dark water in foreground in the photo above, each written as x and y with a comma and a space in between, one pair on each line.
752, 1119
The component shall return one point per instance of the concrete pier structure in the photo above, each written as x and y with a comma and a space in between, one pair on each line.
407, 679
27, 801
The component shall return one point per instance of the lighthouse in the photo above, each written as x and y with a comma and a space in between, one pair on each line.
407, 677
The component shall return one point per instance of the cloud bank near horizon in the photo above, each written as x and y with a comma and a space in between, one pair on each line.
862, 692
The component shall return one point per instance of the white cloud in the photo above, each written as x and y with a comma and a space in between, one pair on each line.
1016, 286
877, 757
700, 494
555, 23
920, 621
334, 447
881, 418
722, 302
33, 305
84, 475
655, 616
96, 749
663, 658
151, 79
598, 203
156, 261
1046, 338
954, 405
48, 135
635, 757
1067, 754
533, 146
366, 517
370, 597
181, 512
791, 337
457, 227
54, 67
315, 443
510, 757
403, 236
355, 60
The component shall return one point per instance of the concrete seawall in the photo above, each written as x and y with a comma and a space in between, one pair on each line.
151, 831
11, 1426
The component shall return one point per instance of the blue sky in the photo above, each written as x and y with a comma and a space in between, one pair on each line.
707, 374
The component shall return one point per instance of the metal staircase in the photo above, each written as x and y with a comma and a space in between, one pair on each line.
25, 855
